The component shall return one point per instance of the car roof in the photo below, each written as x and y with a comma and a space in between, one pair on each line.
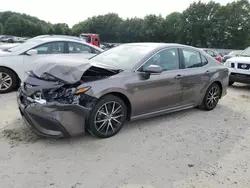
54, 39
48, 39
57, 36
158, 45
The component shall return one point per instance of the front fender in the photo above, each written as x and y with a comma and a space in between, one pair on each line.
113, 90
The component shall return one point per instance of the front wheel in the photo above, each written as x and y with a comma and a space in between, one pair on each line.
107, 117
212, 97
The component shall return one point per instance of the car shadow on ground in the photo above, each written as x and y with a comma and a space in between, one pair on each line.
243, 87
19, 133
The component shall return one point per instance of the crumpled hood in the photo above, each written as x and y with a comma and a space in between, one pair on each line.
240, 60
68, 69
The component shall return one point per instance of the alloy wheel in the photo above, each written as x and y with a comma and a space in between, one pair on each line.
5, 81
213, 97
109, 118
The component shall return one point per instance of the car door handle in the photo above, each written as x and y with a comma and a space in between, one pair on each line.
178, 76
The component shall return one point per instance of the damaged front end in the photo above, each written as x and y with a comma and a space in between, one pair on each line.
60, 112
53, 106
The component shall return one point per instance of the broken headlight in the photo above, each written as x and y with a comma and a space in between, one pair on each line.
66, 95
38, 97
82, 90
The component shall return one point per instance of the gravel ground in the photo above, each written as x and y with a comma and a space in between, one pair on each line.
188, 149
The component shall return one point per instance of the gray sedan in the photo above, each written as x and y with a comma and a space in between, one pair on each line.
67, 96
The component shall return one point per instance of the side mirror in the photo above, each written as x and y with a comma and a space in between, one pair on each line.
153, 69
32, 52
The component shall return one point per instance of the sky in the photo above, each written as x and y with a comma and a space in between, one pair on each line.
74, 11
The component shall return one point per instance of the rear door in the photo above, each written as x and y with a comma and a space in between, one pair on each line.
194, 74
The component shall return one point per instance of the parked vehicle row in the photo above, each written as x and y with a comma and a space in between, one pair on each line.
5, 47
214, 54
12, 39
231, 54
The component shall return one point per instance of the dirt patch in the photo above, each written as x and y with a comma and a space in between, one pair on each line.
19, 135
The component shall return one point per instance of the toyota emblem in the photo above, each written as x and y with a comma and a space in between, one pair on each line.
243, 66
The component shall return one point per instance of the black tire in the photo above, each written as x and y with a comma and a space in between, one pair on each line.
97, 121
209, 101
230, 83
13, 80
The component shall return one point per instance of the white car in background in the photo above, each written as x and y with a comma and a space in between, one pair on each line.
16, 61
239, 67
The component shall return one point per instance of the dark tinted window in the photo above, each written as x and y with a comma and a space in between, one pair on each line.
78, 48
51, 48
192, 59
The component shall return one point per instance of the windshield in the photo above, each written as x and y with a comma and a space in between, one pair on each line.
246, 52
123, 57
24, 46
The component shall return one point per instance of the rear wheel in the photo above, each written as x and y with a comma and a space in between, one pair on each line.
8, 80
107, 117
212, 97
230, 83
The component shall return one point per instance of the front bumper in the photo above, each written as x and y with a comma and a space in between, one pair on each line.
238, 77
52, 119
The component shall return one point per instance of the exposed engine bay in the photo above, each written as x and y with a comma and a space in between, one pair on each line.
53, 86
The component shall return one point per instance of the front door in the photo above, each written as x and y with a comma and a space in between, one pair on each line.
161, 91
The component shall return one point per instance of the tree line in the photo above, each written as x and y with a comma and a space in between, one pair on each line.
209, 25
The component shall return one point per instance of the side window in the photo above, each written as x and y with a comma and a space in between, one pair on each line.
78, 48
203, 60
51, 48
192, 58
167, 59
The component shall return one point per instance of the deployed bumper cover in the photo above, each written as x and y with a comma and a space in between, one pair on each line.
52, 119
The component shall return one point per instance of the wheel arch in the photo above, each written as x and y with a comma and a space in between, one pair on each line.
219, 84
125, 99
